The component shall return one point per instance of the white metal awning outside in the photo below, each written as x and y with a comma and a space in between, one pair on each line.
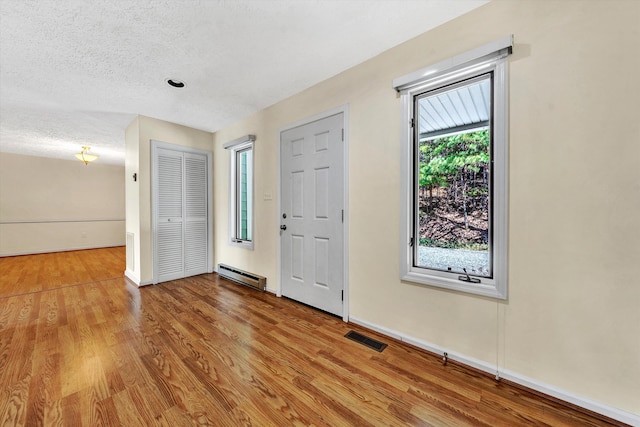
463, 108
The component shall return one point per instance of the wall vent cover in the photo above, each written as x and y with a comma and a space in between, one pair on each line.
365, 340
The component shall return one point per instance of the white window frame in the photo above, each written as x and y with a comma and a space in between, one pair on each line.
488, 58
234, 147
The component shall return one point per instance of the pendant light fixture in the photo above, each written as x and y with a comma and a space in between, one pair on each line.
85, 156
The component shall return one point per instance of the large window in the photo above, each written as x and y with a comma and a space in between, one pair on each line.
241, 192
454, 189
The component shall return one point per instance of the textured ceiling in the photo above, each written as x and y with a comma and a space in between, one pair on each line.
76, 73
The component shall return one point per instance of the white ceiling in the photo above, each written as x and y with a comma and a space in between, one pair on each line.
77, 72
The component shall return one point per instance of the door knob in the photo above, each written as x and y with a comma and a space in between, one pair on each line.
283, 227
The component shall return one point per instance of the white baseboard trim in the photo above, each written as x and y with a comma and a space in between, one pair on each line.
273, 291
550, 390
51, 251
575, 399
131, 276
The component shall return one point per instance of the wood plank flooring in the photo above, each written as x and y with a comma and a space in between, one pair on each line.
40, 272
205, 351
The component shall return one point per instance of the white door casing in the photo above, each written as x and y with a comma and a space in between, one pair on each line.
312, 198
180, 204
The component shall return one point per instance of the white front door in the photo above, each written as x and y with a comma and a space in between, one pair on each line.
180, 204
312, 213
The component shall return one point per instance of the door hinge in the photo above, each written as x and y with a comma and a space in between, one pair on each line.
342, 295
342, 134
412, 122
343, 215
411, 242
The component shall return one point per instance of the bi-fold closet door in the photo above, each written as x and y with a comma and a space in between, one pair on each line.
181, 210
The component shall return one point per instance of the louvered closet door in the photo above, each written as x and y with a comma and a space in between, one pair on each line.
182, 201
170, 207
195, 230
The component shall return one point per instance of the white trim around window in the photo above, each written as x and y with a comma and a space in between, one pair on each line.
241, 191
489, 60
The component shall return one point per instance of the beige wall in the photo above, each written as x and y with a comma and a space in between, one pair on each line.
138, 138
262, 259
49, 205
572, 319
132, 197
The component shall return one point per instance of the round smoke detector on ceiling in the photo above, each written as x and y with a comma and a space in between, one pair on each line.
175, 83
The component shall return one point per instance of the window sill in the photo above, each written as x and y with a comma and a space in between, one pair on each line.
488, 288
242, 244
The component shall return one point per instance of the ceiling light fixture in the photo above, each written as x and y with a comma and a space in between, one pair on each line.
85, 156
175, 83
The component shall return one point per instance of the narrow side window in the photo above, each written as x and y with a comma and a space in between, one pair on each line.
241, 191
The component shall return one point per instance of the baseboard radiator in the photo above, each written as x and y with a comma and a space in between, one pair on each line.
242, 277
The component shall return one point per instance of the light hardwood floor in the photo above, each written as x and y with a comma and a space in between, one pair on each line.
80, 345
42, 272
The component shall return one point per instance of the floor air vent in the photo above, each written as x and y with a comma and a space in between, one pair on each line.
364, 340
242, 277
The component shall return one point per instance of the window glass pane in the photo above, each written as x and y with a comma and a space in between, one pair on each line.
452, 220
244, 195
